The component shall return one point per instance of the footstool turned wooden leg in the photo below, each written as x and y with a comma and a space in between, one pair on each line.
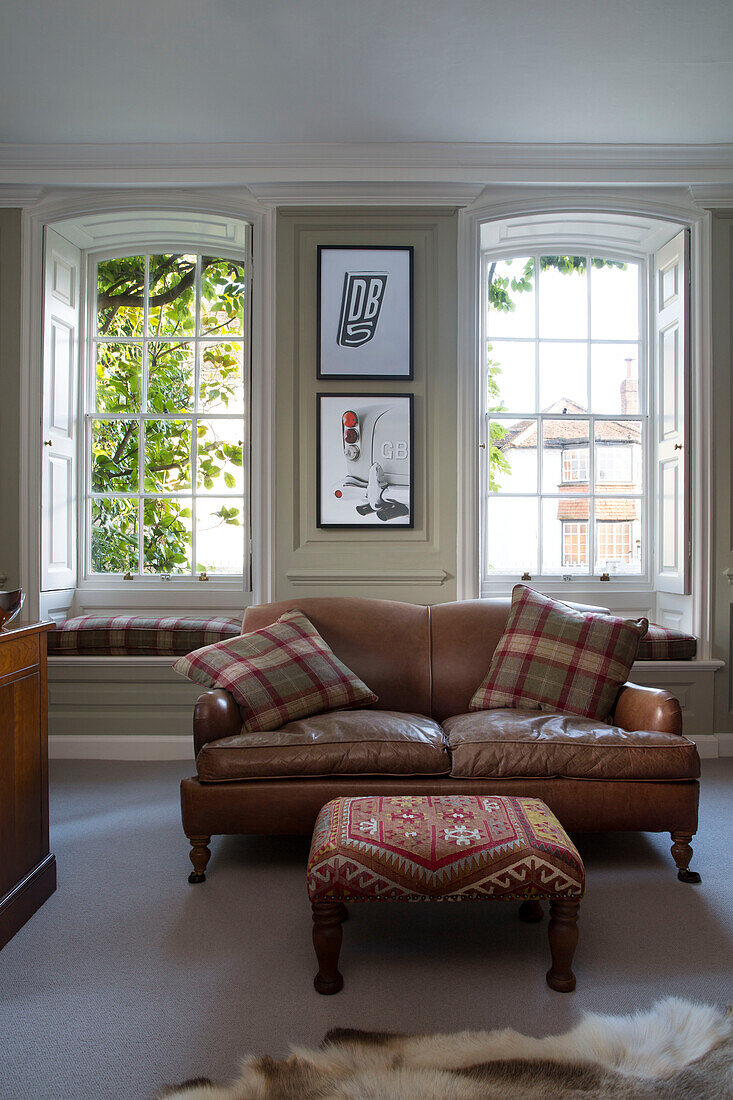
200, 855
563, 936
530, 911
682, 854
327, 918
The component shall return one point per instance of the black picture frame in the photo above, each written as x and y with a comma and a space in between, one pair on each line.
352, 510
352, 275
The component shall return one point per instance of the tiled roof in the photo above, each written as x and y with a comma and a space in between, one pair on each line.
560, 433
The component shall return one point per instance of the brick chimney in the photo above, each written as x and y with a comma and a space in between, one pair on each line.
629, 391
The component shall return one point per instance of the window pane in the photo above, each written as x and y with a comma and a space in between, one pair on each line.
614, 378
167, 455
170, 376
172, 302
511, 298
614, 300
510, 375
511, 541
563, 377
114, 456
565, 535
221, 378
222, 298
219, 535
120, 296
513, 456
618, 535
565, 456
563, 300
118, 377
619, 466
114, 536
167, 536
220, 466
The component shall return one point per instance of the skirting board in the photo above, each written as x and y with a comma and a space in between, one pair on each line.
119, 747
180, 747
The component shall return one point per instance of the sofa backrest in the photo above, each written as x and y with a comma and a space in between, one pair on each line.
384, 642
424, 660
463, 640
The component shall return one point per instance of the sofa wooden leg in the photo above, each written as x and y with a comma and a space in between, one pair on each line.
327, 919
530, 911
682, 854
563, 936
200, 855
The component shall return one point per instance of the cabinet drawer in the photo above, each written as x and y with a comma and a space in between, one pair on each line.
18, 654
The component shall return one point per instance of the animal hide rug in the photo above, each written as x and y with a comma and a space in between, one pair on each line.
677, 1051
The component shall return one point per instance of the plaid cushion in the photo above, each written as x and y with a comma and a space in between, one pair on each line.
661, 644
277, 674
553, 658
137, 635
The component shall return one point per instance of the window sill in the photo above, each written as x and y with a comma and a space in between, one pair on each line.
155, 595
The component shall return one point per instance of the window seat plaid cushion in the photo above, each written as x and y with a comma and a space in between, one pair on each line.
662, 644
138, 635
551, 657
277, 674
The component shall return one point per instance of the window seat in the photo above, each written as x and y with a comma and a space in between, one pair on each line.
138, 635
176, 635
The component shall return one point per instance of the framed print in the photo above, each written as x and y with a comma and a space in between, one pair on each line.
365, 307
365, 467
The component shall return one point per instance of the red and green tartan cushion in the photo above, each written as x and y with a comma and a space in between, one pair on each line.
138, 635
278, 674
551, 657
662, 644
441, 847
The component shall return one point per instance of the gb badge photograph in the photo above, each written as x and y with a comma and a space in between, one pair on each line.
365, 312
365, 460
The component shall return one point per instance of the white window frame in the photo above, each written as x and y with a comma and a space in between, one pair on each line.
648, 217
94, 582
496, 583
114, 217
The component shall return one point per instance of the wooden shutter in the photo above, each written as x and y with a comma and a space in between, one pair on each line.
670, 428
61, 316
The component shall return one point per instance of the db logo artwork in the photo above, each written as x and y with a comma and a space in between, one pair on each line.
361, 304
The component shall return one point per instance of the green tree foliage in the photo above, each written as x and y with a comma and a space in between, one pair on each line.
502, 291
174, 318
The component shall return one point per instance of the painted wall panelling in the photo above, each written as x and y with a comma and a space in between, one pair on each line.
418, 565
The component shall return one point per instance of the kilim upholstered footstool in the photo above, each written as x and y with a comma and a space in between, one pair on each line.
443, 848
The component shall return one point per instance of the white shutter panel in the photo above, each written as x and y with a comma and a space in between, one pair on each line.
670, 428
61, 315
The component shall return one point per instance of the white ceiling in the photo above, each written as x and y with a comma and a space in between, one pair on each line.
366, 71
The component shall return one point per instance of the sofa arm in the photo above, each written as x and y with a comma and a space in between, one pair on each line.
647, 708
215, 715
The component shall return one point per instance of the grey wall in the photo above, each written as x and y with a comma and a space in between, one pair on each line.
416, 565
722, 559
10, 292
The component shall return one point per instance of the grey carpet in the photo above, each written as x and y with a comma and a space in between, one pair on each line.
128, 978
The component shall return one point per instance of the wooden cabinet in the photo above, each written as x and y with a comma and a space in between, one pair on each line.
27, 868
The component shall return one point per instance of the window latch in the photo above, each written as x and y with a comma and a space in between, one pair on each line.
525, 577
203, 576
127, 577
604, 577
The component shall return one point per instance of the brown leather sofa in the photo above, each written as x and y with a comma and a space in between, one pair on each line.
425, 663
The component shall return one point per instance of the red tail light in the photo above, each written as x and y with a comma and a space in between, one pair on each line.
350, 437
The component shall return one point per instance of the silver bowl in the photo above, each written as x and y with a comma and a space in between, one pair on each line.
10, 605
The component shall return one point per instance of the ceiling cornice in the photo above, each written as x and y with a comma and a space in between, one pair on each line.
447, 162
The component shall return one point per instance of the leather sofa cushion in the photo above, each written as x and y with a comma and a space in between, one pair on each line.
345, 742
529, 744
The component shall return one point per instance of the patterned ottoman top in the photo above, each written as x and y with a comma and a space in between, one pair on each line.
441, 847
